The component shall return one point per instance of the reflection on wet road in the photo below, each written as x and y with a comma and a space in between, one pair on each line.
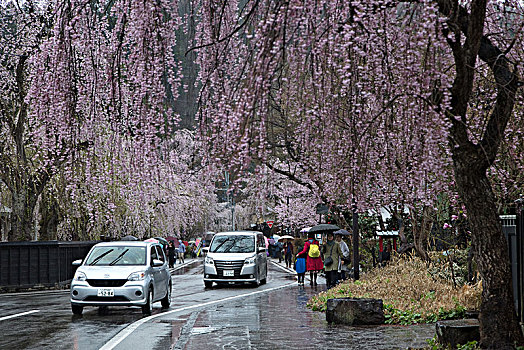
280, 320
272, 316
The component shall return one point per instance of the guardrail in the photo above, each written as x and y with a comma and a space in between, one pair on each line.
39, 264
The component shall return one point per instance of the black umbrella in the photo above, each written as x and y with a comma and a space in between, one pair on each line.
129, 238
324, 227
342, 232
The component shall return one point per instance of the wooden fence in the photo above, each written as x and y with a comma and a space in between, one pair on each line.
33, 264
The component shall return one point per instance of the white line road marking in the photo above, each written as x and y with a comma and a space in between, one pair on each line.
284, 268
117, 339
18, 315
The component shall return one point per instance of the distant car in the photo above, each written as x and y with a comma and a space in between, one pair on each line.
123, 273
236, 257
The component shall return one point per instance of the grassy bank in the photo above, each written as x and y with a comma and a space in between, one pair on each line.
412, 291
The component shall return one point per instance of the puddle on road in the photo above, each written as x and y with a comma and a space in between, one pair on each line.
204, 330
195, 268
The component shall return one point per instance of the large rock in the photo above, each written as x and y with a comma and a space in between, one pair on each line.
354, 311
454, 332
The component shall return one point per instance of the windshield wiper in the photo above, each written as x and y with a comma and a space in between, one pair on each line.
97, 259
220, 245
118, 257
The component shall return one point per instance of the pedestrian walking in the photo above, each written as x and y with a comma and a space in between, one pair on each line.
300, 268
181, 251
171, 254
279, 251
288, 253
314, 262
343, 264
332, 256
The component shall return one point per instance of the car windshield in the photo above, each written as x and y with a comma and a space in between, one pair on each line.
117, 256
233, 244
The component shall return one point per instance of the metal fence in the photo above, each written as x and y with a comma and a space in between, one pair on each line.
513, 228
518, 281
32, 264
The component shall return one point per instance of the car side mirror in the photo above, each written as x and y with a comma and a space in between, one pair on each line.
205, 249
261, 249
77, 262
157, 263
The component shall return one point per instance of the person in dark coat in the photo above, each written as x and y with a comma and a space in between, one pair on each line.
288, 252
332, 250
171, 254
313, 264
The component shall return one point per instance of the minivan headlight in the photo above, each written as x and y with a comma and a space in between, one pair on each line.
137, 276
80, 276
249, 261
209, 260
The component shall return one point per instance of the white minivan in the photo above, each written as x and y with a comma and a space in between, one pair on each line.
236, 257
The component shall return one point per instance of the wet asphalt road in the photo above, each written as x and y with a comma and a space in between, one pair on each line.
272, 316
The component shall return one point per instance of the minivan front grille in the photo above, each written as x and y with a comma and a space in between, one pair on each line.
106, 283
222, 265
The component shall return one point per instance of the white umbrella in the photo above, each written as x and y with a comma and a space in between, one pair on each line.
305, 229
285, 237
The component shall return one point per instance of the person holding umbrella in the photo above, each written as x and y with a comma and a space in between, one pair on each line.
332, 257
314, 262
288, 252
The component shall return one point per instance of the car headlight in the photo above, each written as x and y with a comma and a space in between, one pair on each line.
137, 276
249, 261
80, 276
209, 260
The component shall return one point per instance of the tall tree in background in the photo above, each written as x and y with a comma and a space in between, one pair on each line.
85, 114
372, 100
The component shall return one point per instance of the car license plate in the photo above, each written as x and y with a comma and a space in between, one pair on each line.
229, 273
106, 292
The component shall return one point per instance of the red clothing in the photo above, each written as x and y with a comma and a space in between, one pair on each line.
312, 264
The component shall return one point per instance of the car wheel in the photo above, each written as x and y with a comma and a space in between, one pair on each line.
77, 309
208, 284
257, 282
167, 299
148, 307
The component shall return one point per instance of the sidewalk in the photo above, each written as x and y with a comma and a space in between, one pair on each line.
282, 265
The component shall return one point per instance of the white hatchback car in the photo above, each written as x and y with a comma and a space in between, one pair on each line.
122, 274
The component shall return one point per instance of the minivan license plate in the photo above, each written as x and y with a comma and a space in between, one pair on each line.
229, 273
106, 292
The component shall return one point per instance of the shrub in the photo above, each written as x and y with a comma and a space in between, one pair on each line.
411, 294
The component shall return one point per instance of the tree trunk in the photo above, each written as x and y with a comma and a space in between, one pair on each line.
404, 245
421, 232
49, 219
23, 202
499, 327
